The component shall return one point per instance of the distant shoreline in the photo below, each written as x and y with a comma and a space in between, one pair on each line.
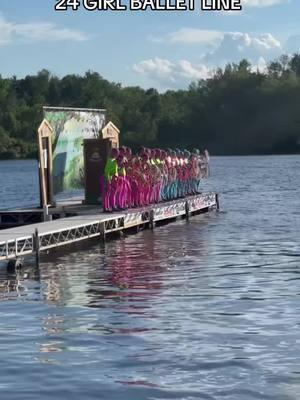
212, 155
238, 111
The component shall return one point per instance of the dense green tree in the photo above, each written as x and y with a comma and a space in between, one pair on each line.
238, 110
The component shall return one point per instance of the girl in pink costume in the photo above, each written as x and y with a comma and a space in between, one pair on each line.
164, 169
144, 186
142, 177
111, 174
155, 177
140, 182
128, 170
124, 194
160, 165
152, 180
134, 172
121, 190
150, 177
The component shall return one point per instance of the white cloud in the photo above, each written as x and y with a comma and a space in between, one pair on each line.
185, 70
5, 31
237, 45
226, 47
261, 42
33, 32
261, 3
188, 35
171, 74
266, 41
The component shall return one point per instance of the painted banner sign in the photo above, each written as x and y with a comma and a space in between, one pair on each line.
71, 126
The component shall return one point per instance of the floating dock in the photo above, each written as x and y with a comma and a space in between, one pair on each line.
89, 223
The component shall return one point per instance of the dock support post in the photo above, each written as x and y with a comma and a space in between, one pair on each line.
46, 215
151, 221
187, 210
103, 232
36, 245
217, 202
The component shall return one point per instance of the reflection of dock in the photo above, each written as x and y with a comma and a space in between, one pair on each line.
88, 222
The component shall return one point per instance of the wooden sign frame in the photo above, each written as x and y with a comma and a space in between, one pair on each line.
111, 132
45, 133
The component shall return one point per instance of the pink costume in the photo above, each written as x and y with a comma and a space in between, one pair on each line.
111, 173
121, 189
133, 173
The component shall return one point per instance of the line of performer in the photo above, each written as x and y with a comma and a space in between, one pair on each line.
151, 176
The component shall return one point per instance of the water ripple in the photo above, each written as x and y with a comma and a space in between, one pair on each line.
202, 310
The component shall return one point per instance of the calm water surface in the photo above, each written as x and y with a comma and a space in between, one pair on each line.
208, 309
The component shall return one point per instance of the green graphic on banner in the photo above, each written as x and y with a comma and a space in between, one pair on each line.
71, 126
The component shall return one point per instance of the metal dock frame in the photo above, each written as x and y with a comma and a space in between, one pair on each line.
37, 238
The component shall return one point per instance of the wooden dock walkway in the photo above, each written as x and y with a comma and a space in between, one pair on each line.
89, 223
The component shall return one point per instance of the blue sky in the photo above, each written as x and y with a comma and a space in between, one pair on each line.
157, 49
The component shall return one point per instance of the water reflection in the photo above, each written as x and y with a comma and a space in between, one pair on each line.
204, 310
19, 284
133, 269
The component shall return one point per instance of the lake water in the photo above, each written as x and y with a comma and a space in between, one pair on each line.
208, 309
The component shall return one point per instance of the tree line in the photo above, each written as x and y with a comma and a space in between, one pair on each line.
238, 110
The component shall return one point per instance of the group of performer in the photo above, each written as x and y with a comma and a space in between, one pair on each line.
151, 176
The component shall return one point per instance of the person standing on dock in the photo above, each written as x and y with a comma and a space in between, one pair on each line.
111, 174
151, 176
